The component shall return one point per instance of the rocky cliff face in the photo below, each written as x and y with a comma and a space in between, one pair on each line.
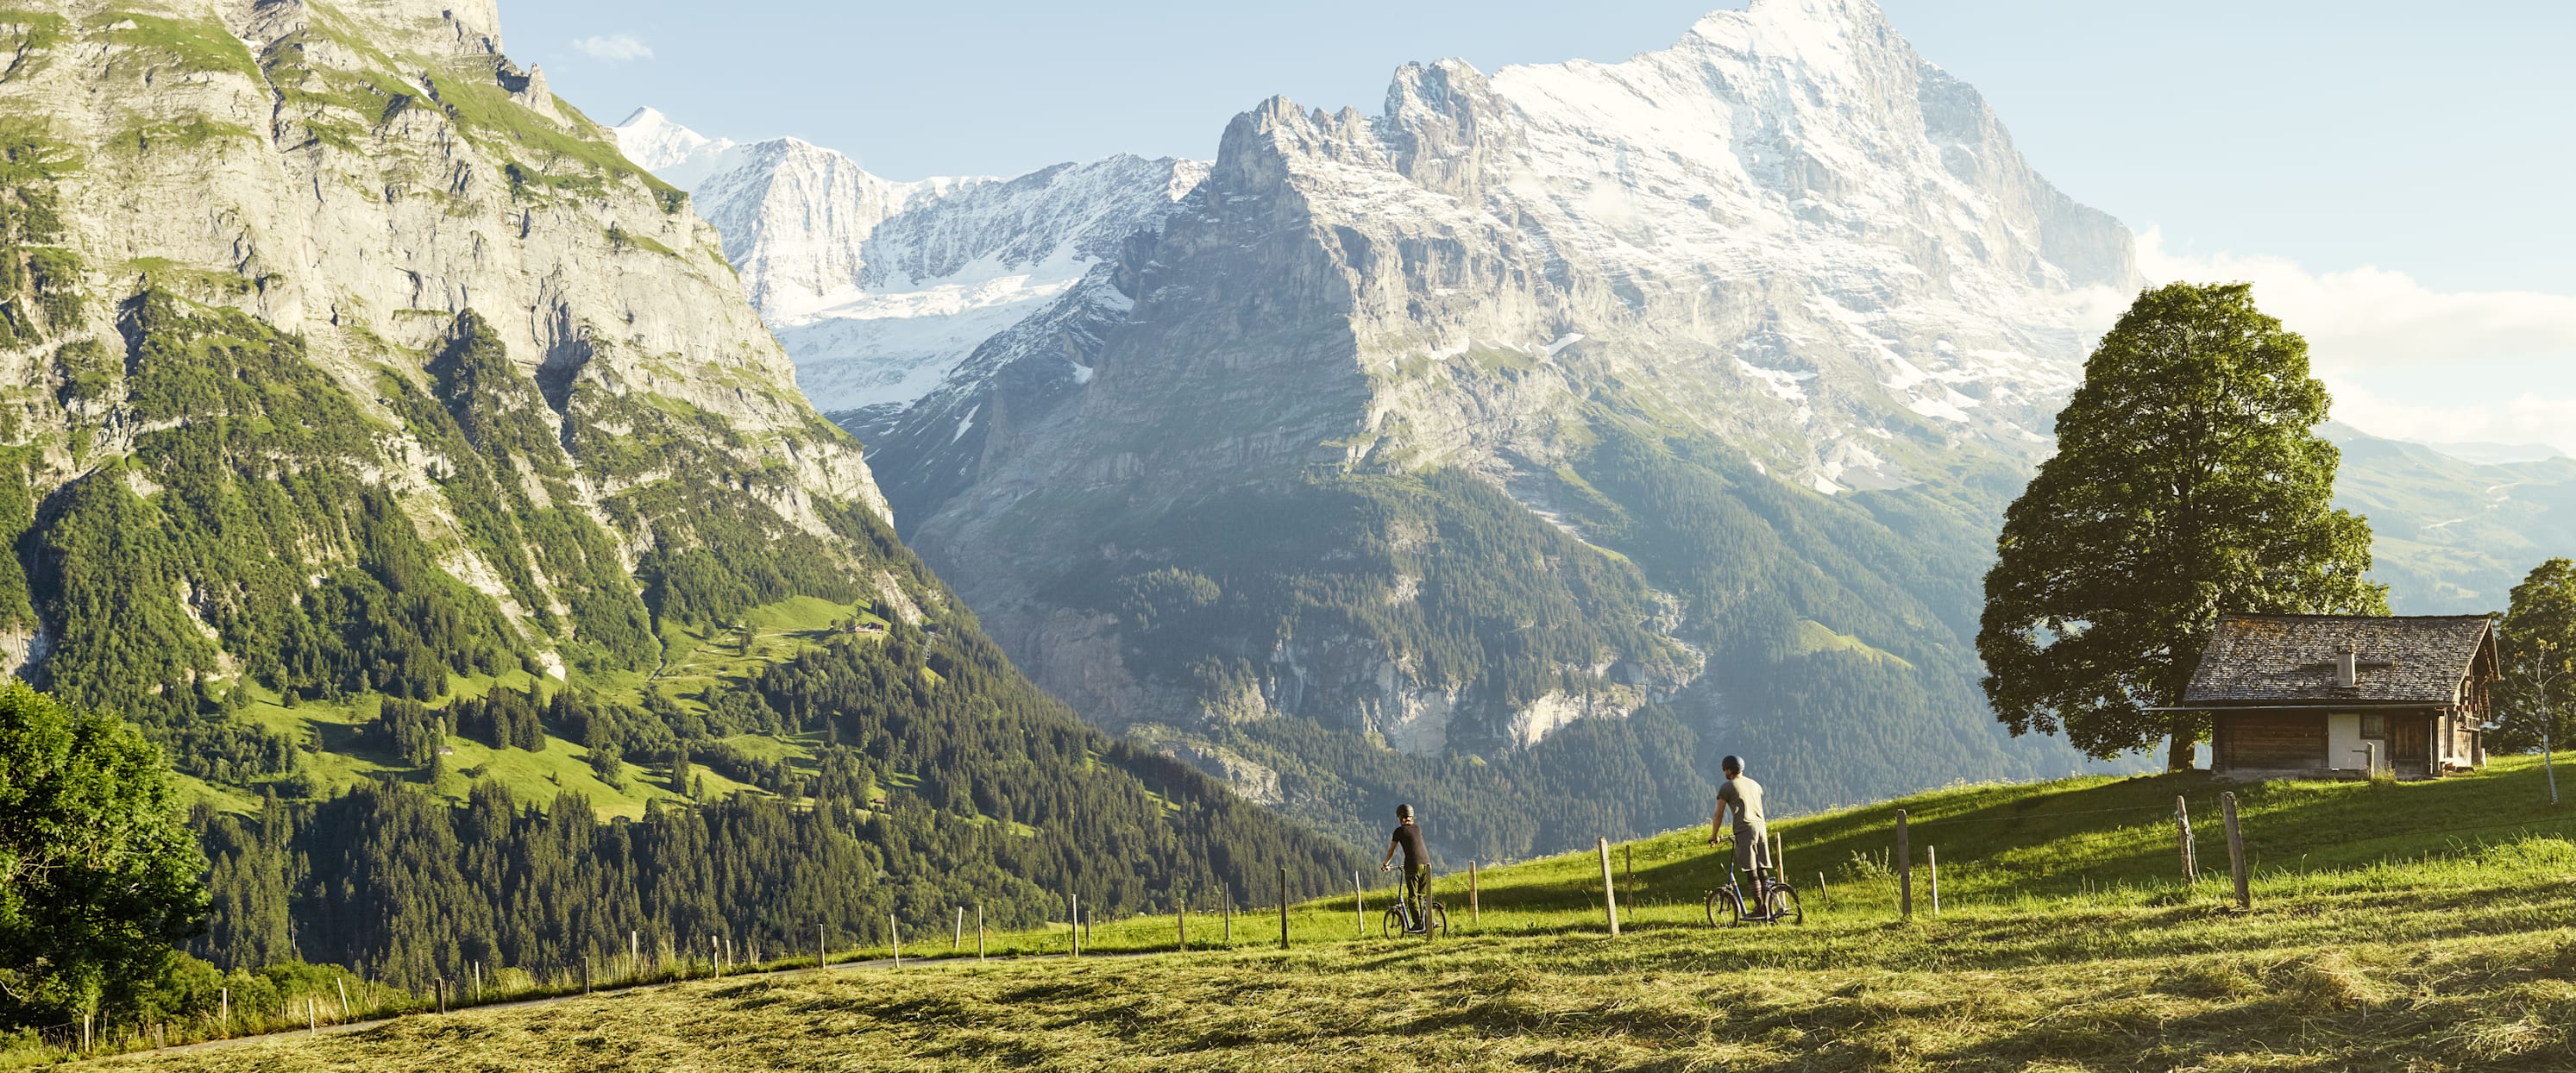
1787, 242
347, 355
797, 218
1684, 385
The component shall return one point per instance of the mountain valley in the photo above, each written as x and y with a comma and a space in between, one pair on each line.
462, 553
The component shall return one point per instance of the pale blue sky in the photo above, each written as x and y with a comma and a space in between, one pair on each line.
2435, 141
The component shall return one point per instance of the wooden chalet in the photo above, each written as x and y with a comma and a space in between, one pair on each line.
2346, 695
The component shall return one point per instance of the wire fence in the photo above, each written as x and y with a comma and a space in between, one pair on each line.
2122, 857
2086, 854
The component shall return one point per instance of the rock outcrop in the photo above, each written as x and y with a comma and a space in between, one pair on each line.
350, 255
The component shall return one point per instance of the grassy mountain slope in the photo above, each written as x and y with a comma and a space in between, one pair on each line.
2394, 926
1669, 580
2453, 536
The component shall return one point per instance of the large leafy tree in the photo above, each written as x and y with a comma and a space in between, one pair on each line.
2188, 482
99, 876
2538, 644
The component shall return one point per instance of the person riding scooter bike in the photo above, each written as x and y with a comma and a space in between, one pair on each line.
1417, 860
1752, 831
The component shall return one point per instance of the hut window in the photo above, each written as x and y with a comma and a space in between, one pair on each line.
2374, 726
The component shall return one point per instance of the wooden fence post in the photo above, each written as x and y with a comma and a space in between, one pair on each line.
822, 949
227, 1015
1077, 925
1904, 870
1283, 908
343, 984
1932, 864
1779, 856
440, 985
979, 931
312, 1016
957, 938
1181, 923
1229, 920
1359, 907
1823, 896
895, 939
2182, 840
2236, 852
1474, 915
1628, 878
1609, 892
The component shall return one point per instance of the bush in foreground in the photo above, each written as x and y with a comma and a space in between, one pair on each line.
98, 875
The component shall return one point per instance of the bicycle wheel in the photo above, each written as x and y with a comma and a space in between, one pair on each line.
1437, 922
1783, 905
1725, 909
1392, 924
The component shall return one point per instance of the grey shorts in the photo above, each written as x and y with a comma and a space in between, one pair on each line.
1754, 852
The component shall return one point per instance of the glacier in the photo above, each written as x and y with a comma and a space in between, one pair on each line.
879, 288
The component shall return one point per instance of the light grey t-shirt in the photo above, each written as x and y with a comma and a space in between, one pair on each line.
1745, 796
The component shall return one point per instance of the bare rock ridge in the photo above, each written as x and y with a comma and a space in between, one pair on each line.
1722, 356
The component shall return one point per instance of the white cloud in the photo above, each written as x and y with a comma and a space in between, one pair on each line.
2524, 418
2439, 365
614, 48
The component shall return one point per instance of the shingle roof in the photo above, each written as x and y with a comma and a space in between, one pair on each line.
2258, 659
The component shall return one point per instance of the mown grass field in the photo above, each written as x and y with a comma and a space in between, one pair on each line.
2419, 926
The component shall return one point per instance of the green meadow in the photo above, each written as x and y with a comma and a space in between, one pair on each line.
2419, 926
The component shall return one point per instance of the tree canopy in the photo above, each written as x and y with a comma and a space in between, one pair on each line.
2538, 644
2188, 482
99, 876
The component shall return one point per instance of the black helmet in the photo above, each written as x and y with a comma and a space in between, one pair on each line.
1732, 765
1403, 812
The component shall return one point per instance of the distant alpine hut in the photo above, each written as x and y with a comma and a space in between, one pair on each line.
2322, 696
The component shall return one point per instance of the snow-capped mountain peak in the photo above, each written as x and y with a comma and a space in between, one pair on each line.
878, 287
1783, 247
1823, 39
947, 274
796, 219
680, 156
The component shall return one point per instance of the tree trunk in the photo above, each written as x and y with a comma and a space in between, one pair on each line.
2185, 735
